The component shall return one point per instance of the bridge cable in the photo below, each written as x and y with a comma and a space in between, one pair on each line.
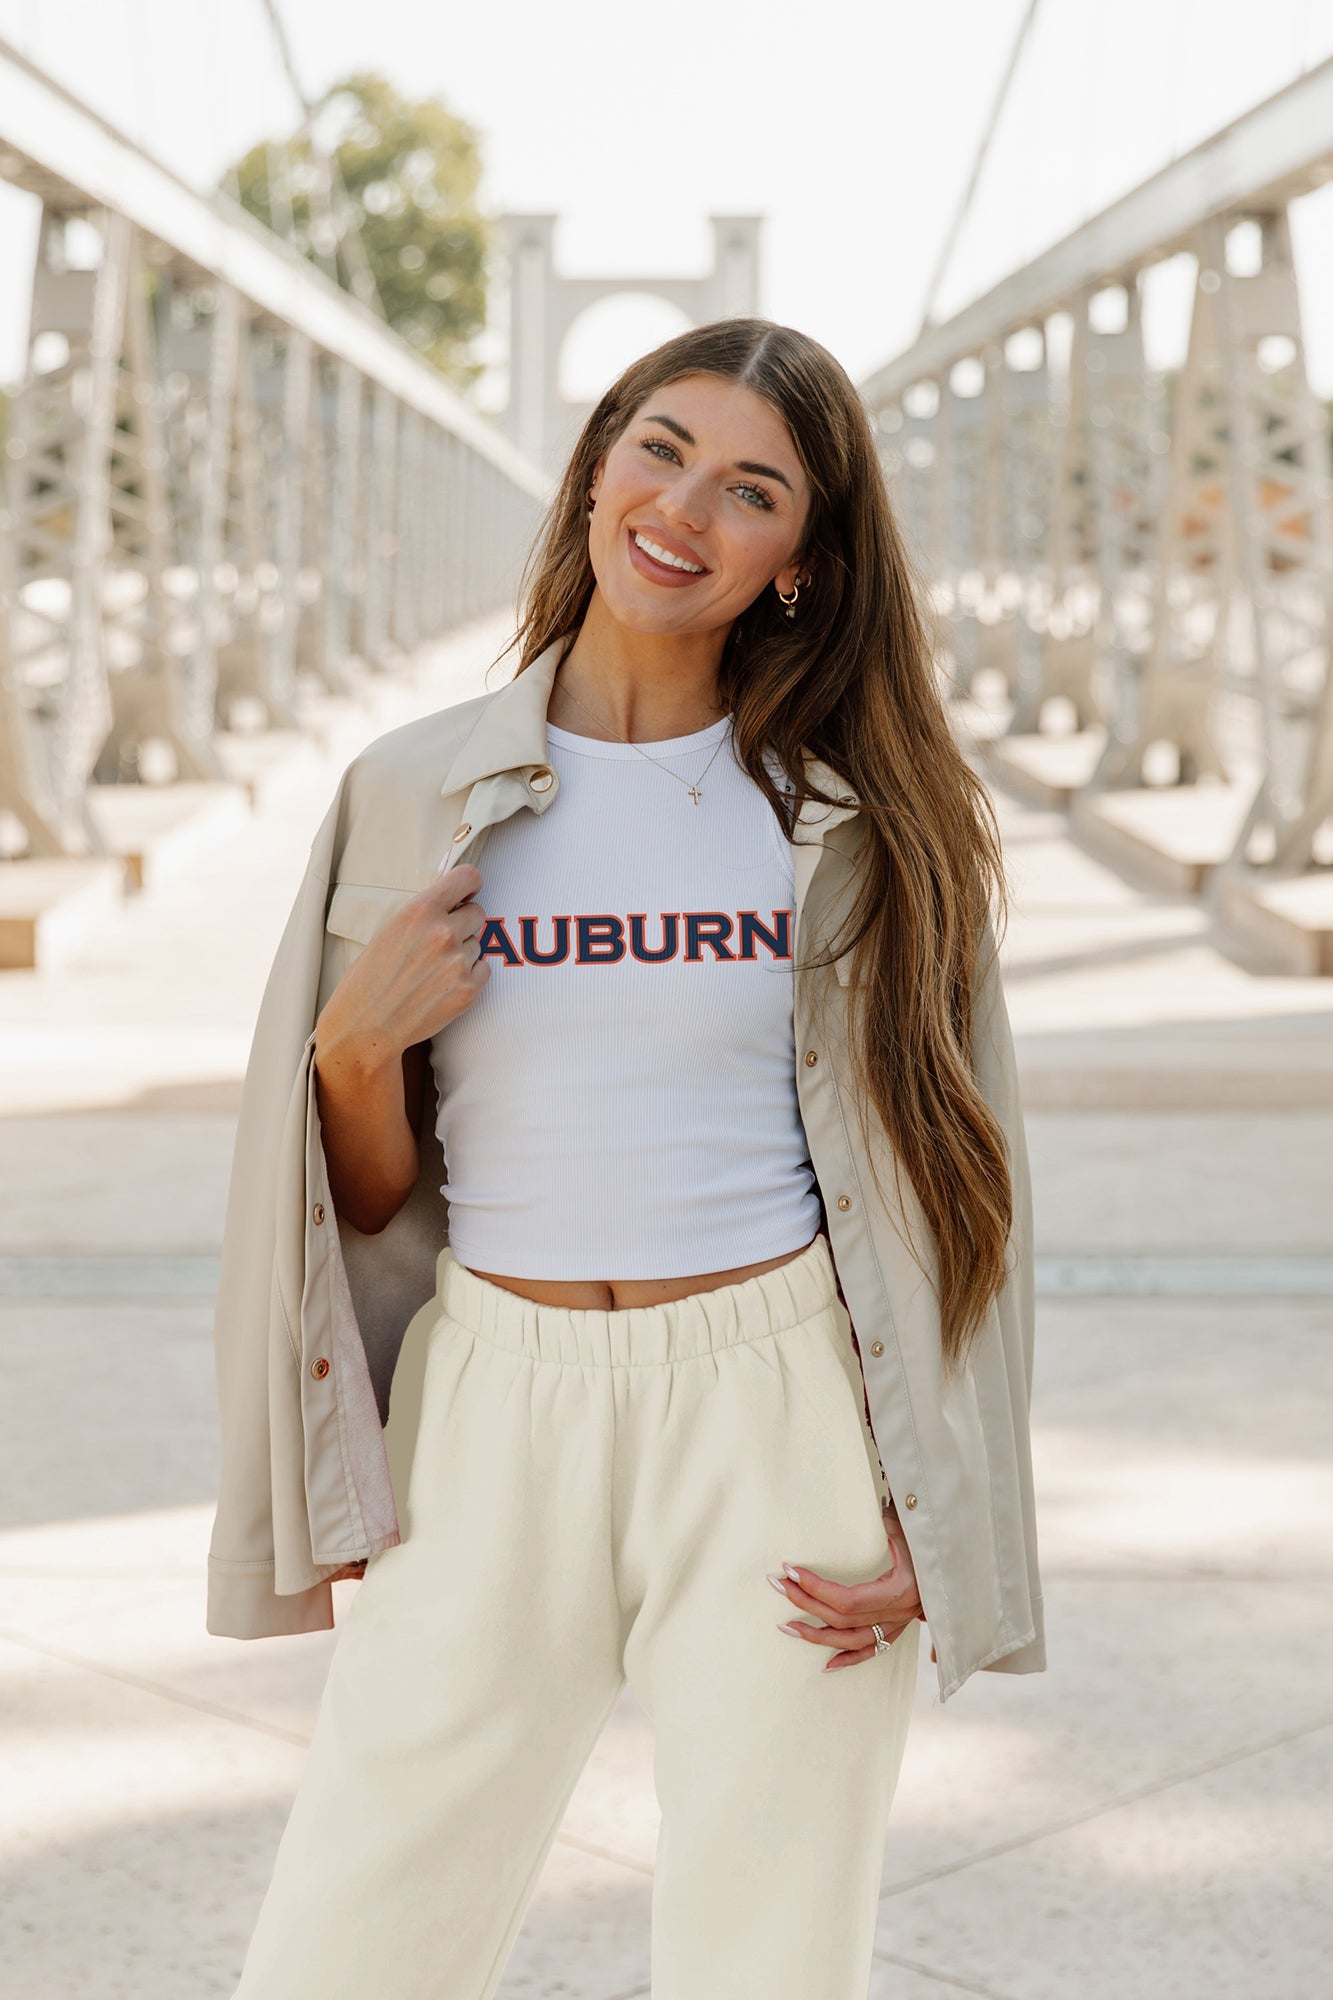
983, 149
337, 202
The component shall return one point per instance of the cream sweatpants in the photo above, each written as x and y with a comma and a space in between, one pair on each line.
590, 1497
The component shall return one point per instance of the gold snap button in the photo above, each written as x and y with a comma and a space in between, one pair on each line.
811, 1058
909, 1499
463, 831
319, 1369
318, 1211
542, 780
877, 1347
844, 1201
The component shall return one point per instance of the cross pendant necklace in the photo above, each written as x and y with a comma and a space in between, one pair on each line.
693, 789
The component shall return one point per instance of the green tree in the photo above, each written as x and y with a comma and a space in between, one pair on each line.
410, 169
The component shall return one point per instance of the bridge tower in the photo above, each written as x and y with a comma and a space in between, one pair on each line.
543, 306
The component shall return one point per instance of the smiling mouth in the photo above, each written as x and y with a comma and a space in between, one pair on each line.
663, 558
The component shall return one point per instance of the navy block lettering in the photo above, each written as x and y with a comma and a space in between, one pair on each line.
707, 927
778, 939
670, 922
606, 939
495, 942
559, 951
601, 940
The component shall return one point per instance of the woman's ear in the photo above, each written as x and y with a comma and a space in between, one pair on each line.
801, 572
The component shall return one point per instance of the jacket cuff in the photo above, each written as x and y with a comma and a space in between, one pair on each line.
242, 1604
1029, 1659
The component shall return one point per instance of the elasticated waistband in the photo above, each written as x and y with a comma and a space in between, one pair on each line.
640, 1336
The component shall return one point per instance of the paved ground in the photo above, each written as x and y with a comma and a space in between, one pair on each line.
1149, 1818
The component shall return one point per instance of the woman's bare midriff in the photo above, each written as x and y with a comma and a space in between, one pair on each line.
618, 1294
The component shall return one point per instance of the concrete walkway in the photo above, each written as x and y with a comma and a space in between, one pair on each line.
1149, 1818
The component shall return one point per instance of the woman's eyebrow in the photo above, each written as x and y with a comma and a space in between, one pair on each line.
742, 464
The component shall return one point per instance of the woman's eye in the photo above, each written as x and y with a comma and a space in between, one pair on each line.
761, 499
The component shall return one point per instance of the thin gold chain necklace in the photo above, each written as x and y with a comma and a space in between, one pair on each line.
693, 789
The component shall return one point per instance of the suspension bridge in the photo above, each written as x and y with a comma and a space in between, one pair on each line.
245, 528
1156, 561
229, 483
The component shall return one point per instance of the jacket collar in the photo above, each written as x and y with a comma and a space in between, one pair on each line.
510, 735
510, 732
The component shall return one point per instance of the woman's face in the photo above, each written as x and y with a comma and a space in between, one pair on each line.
706, 471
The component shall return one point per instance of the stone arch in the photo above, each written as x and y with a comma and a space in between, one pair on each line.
612, 330
544, 307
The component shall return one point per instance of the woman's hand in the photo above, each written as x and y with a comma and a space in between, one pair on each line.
848, 1610
419, 972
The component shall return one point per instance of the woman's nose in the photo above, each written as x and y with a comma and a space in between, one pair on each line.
686, 501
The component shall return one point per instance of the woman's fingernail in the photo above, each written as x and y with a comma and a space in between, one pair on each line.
777, 1583
794, 1574
795, 1630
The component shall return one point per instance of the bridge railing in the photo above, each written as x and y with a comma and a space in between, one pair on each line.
1159, 554
224, 478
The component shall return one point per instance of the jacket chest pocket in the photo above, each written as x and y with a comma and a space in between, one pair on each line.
356, 911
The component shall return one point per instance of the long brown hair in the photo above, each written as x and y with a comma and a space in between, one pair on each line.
851, 680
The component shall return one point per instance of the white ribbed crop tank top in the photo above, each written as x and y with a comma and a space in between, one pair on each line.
620, 1101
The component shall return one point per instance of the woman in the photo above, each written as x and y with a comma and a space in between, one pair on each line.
734, 963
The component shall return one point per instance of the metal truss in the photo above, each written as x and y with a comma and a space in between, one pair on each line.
1280, 544
958, 488
1100, 540
1169, 571
1171, 699
226, 482
1019, 454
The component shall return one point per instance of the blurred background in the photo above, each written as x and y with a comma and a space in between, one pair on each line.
301, 306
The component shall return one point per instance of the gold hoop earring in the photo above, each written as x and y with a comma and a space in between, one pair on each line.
790, 602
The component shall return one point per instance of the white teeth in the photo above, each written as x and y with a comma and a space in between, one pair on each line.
660, 555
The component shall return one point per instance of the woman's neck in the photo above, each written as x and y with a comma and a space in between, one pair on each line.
642, 687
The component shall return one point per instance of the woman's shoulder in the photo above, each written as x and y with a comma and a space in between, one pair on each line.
386, 809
